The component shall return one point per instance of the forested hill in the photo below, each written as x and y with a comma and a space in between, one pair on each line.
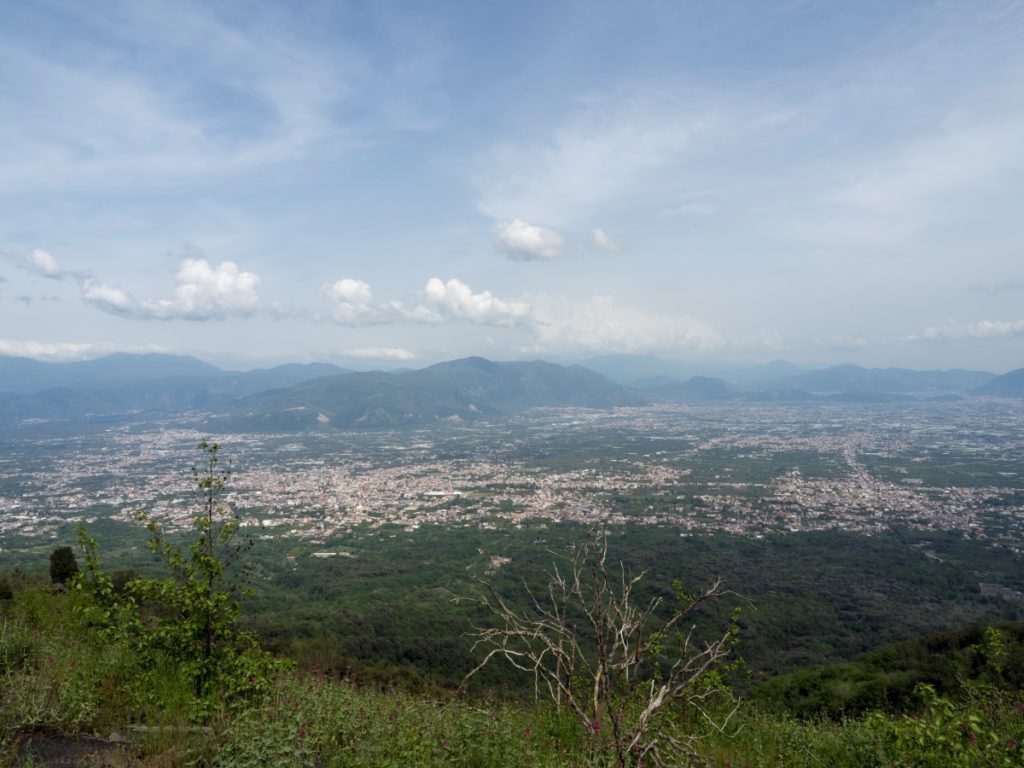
459, 390
1008, 385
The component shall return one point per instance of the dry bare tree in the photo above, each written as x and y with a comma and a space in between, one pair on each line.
639, 677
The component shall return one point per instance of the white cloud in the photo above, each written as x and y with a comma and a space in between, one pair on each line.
520, 241
65, 351
384, 353
42, 262
109, 299
418, 314
995, 329
843, 343
982, 329
206, 293
352, 302
601, 324
931, 334
49, 351
603, 241
350, 291
203, 292
456, 300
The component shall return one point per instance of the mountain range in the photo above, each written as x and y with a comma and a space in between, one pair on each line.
459, 390
319, 395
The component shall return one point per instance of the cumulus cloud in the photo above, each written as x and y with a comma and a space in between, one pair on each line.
352, 302
521, 241
384, 353
203, 292
602, 324
350, 291
456, 300
603, 241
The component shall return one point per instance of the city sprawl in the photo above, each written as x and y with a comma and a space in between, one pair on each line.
749, 470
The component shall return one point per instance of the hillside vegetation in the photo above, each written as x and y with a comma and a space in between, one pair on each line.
62, 675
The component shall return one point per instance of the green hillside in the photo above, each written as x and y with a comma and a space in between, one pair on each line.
460, 390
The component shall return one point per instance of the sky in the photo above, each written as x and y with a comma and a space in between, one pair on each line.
393, 184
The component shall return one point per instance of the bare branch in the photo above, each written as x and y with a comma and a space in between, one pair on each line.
613, 674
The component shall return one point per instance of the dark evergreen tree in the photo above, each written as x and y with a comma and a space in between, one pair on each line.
62, 565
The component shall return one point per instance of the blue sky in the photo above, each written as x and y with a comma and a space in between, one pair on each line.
389, 184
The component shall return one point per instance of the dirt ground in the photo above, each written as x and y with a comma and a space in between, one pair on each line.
47, 750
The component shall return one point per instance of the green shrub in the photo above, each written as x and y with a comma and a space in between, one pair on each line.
987, 729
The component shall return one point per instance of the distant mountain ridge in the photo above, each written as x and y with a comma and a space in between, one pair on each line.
458, 390
1008, 385
141, 389
854, 379
696, 389
124, 387
23, 374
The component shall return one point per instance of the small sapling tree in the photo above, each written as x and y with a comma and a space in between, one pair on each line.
198, 606
640, 679
187, 621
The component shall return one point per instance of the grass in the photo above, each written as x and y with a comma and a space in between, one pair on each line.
59, 676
